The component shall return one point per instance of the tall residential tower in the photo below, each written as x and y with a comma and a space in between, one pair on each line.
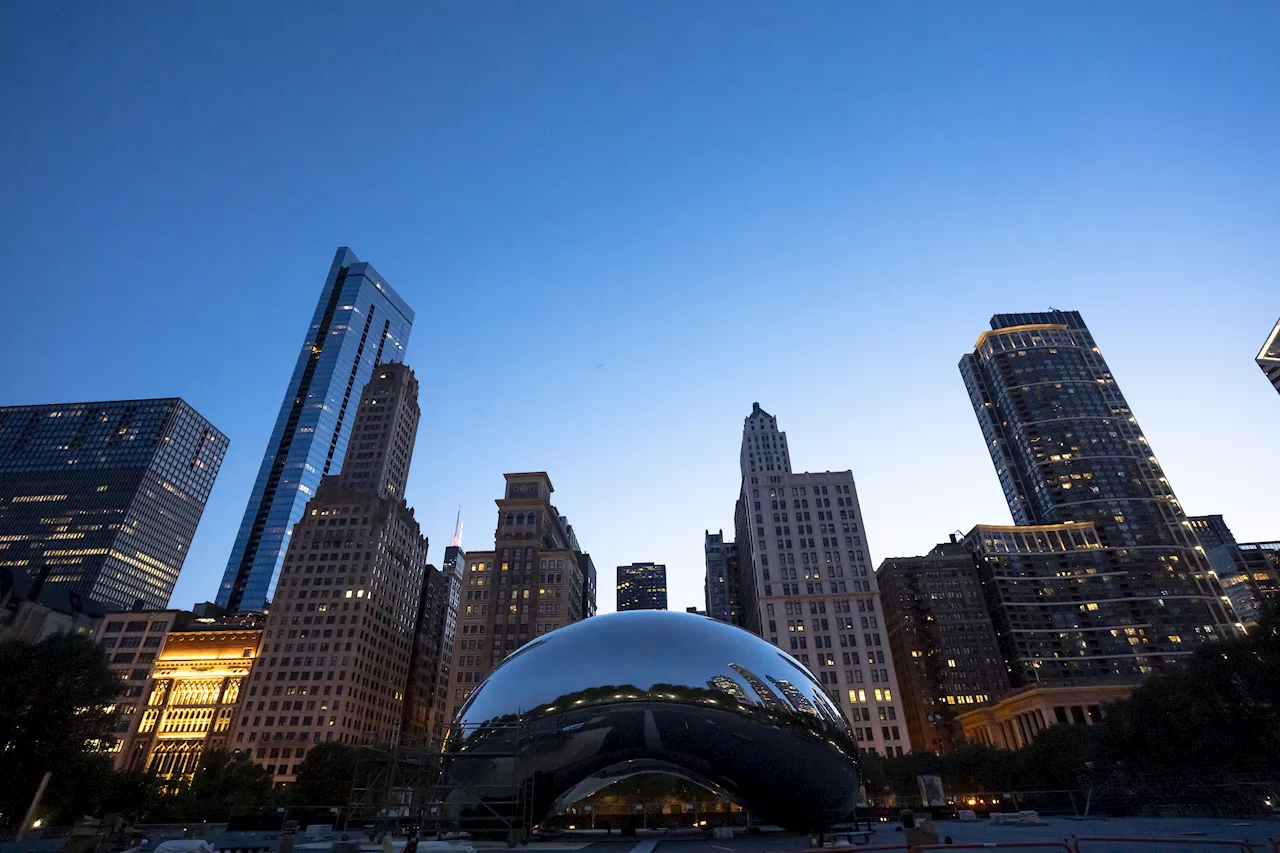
359, 324
1081, 478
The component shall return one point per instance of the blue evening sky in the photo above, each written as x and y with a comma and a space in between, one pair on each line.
621, 223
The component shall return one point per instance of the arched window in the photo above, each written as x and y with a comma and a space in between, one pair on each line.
510, 517
520, 518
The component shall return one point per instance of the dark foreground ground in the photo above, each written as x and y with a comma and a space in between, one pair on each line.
1184, 835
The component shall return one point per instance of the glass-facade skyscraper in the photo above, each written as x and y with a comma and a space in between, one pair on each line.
1069, 454
101, 500
359, 323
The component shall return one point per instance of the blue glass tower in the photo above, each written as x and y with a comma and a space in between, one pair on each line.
359, 323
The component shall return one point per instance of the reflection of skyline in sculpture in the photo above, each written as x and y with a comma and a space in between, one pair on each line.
767, 697
727, 685
794, 696
553, 723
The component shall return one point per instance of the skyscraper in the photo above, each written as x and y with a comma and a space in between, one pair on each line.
1269, 356
536, 579
1072, 460
642, 586
723, 587
427, 694
809, 588
359, 324
942, 639
100, 500
336, 653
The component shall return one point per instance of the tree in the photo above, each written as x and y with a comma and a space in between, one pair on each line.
223, 784
1222, 708
325, 775
89, 784
55, 705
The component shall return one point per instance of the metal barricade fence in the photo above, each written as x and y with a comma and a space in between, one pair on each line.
1197, 844
1071, 845
1006, 845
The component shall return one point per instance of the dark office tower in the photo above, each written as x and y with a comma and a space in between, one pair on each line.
426, 693
536, 579
1068, 449
100, 500
587, 568
335, 660
942, 641
642, 586
1269, 356
723, 588
359, 324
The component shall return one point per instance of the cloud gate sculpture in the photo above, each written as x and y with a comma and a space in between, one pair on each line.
618, 695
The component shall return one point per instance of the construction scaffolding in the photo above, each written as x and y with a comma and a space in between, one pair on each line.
399, 788
487, 784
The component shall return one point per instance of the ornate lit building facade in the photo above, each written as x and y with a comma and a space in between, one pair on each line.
182, 673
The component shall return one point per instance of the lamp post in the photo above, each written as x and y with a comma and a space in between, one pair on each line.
29, 818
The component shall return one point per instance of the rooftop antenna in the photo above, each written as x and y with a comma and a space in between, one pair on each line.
457, 529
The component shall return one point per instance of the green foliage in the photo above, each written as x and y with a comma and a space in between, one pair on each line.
224, 783
89, 785
325, 776
54, 700
1221, 710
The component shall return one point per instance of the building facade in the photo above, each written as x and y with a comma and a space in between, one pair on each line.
942, 639
1247, 584
1269, 357
1068, 451
101, 500
535, 580
723, 586
1250, 573
807, 582
1018, 718
1068, 610
359, 324
32, 621
337, 648
642, 586
1211, 531
182, 672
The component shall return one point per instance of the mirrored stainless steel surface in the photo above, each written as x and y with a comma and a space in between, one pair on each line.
651, 691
